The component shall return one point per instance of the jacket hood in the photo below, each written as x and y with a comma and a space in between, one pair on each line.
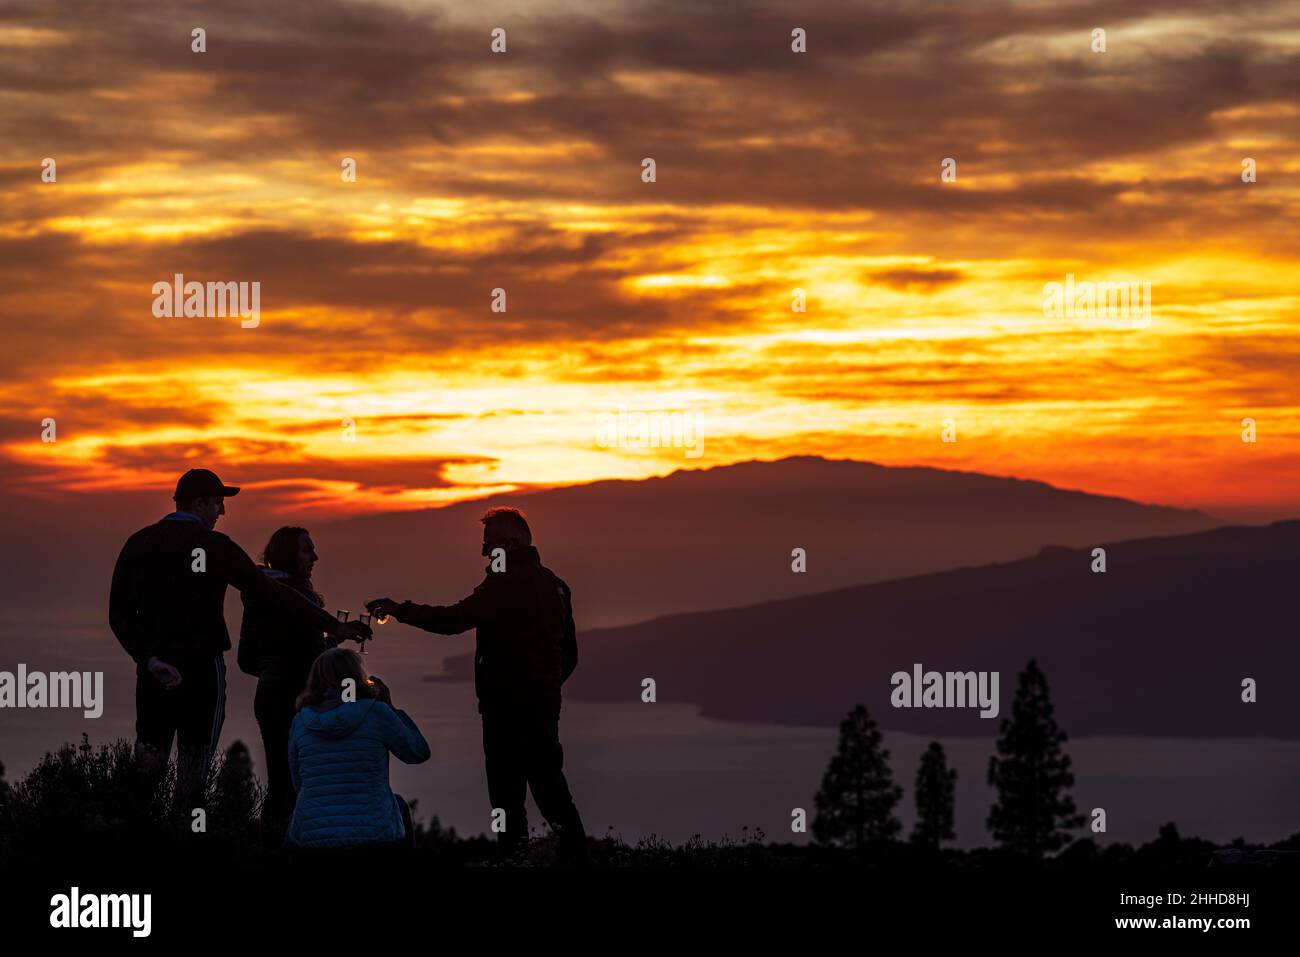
296, 582
336, 719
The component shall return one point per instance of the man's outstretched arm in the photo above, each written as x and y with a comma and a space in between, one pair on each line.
439, 619
245, 577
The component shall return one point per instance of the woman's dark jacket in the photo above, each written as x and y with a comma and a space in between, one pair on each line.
274, 645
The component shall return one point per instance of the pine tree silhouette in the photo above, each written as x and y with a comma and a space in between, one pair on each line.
935, 793
1034, 811
855, 803
235, 791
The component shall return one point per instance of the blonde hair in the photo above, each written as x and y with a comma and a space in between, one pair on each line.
328, 673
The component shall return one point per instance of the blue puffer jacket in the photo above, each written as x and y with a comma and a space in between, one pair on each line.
338, 755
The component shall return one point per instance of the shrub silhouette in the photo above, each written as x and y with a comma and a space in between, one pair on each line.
432, 834
78, 790
855, 804
105, 795
935, 795
1034, 810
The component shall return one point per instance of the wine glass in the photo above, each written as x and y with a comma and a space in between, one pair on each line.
343, 616
363, 617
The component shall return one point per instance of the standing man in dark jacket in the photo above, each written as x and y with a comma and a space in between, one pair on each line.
525, 649
166, 609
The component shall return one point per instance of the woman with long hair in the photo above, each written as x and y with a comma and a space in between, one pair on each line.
338, 757
279, 651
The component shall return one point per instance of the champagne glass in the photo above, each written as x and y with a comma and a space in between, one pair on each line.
363, 617
343, 616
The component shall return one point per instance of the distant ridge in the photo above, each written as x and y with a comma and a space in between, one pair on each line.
1157, 645
711, 538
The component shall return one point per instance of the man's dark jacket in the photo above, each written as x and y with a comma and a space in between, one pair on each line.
526, 644
160, 607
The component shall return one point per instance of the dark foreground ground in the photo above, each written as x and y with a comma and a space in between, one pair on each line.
86, 819
231, 893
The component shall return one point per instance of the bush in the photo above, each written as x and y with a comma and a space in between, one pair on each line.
88, 795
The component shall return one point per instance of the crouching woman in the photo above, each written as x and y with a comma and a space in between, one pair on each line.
339, 744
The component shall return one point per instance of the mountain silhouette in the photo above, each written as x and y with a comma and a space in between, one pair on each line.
1157, 645
712, 538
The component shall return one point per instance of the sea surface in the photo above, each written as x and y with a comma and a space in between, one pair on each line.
662, 769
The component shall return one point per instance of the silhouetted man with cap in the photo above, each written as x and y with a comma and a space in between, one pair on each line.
167, 610
525, 649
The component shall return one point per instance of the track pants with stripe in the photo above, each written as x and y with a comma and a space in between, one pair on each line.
190, 714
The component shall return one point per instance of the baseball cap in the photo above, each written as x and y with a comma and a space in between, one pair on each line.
197, 483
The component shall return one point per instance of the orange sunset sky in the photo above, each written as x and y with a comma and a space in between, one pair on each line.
775, 171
